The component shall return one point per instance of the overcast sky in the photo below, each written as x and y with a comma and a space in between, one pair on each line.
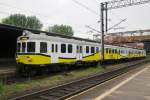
52, 12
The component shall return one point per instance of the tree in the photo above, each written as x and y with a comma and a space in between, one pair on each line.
33, 22
62, 29
23, 21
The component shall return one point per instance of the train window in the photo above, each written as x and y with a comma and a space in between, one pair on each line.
52, 47
80, 49
113, 51
97, 49
92, 50
109, 51
63, 48
56, 48
30, 46
43, 47
106, 50
87, 49
23, 47
69, 48
116, 51
18, 47
77, 48
119, 52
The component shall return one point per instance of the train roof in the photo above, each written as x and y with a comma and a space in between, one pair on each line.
43, 36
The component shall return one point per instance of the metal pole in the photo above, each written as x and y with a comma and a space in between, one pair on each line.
102, 32
106, 18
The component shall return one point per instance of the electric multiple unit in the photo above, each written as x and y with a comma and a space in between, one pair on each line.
42, 50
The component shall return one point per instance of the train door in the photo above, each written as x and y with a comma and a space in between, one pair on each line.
79, 52
54, 52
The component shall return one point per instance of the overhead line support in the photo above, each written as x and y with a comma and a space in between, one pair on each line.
105, 6
102, 31
125, 3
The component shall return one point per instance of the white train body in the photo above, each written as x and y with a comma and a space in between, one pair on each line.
42, 49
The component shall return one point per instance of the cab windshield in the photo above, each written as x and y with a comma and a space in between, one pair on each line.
26, 47
30, 46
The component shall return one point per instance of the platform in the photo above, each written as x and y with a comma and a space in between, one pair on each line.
136, 87
128, 87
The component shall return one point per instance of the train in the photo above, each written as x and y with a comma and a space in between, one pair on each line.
46, 52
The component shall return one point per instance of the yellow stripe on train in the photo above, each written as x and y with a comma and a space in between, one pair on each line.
33, 59
66, 60
95, 57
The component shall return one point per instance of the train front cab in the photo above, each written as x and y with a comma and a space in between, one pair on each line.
29, 54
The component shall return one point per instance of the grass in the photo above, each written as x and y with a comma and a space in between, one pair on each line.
7, 90
2, 88
86, 72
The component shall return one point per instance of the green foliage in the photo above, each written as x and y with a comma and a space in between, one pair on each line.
23, 21
33, 22
62, 29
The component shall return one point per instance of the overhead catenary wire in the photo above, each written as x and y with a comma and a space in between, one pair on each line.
123, 20
86, 7
77, 2
41, 15
93, 29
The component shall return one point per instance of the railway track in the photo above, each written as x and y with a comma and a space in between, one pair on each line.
8, 73
64, 91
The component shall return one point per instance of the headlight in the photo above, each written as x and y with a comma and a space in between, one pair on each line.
17, 59
28, 59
